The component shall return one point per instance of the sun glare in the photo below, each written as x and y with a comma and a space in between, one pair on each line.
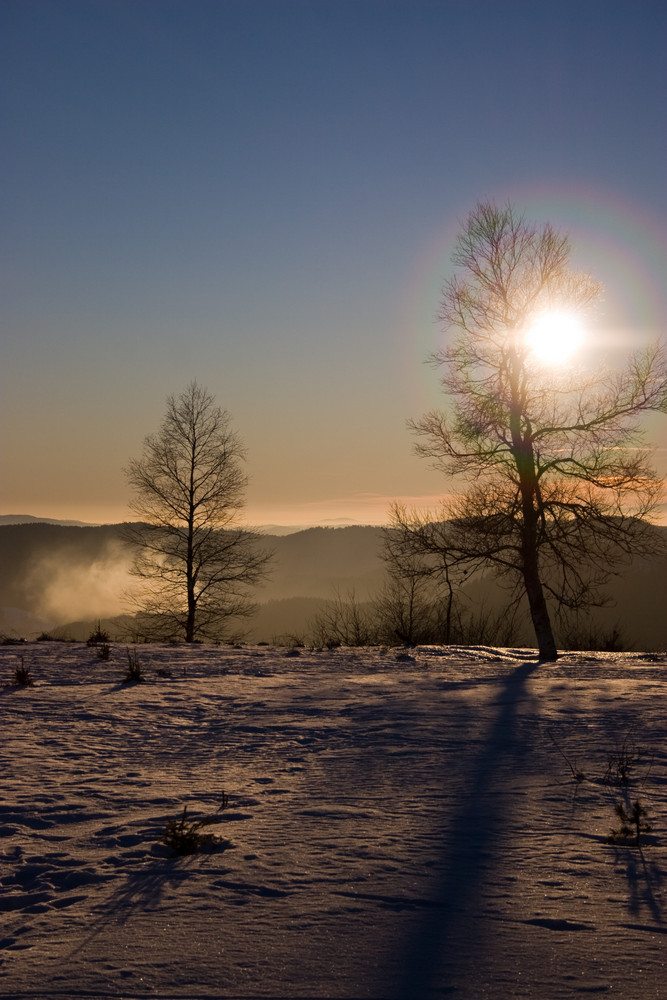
554, 337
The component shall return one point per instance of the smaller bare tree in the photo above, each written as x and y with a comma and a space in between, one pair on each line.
404, 608
197, 562
426, 597
344, 621
416, 553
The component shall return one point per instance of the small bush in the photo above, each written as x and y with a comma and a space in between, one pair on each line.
185, 836
98, 637
134, 674
293, 640
622, 763
104, 651
22, 675
344, 621
589, 637
633, 823
575, 771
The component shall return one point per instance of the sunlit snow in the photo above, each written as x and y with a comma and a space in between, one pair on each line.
417, 823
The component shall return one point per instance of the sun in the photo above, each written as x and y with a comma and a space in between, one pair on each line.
554, 337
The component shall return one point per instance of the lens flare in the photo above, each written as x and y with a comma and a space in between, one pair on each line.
554, 337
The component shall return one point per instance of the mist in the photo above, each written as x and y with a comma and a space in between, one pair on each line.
53, 576
73, 589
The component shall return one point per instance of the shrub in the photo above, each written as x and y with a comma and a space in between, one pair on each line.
344, 621
292, 640
622, 762
575, 771
104, 651
589, 637
185, 836
134, 673
484, 627
633, 823
22, 675
98, 636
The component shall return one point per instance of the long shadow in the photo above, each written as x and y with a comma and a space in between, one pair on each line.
141, 890
477, 835
645, 880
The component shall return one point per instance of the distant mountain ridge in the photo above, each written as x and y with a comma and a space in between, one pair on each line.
31, 519
265, 529
60, 574
53, 574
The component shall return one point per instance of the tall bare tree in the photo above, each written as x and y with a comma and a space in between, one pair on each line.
198, 564
553, 487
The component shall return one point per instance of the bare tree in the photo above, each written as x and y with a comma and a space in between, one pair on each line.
406, 608
553, 486
421, 571
198, 564
425, 600
344, 621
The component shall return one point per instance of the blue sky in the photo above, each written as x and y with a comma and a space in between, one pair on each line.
264, 196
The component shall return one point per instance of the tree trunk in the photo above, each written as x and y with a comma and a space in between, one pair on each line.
190, 586
539, 612
448, 615
189, 562
529, 488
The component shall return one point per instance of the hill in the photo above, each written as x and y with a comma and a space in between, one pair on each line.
31, 519
52, 575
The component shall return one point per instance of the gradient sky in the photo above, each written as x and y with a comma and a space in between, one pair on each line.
263, 195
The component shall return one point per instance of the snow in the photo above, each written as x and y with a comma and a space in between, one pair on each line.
401, 824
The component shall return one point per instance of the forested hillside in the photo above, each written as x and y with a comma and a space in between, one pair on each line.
53, 575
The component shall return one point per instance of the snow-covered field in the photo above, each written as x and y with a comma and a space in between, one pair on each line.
400, 825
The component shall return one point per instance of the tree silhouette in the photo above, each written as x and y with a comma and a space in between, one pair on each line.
553, 489
198, 564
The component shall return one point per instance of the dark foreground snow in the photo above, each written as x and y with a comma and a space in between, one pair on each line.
399, 826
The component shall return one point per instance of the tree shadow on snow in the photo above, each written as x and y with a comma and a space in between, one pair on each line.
140, 891
474, 834
644, 883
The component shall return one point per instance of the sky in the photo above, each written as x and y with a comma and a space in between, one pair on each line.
263, 195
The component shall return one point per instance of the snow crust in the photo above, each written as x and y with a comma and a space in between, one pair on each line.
413, 823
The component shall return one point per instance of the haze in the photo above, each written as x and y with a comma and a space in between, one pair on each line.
263, 196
